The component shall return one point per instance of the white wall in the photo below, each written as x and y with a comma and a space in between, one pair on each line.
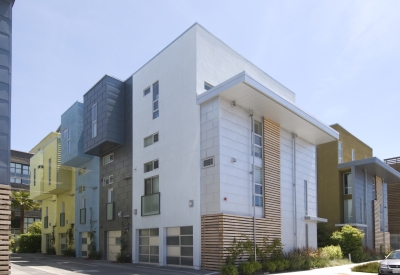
305, 170
216, 62
178, 149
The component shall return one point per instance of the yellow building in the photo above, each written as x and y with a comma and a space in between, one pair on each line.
54, 185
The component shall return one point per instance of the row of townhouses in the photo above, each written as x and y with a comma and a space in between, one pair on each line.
197, 147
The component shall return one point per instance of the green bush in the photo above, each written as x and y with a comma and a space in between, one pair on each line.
246, 268
35, 228
350, 240
69, 252
280, 265
229, 269
51, 250
94, 255
368, 268
359, 255
324, 235
332, 252
123, 258
257, 266
319, 262
30, 243
269, 266
13, 246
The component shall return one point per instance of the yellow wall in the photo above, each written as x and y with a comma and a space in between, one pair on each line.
50, 153
330, 180
35, 161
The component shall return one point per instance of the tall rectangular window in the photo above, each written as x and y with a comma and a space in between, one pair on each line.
83, 202
34, 177
49, 171
62, 214
110, 195
340, 152
257, 139
67, 137
347, 184
348, 211
151, 198
353, 154
374, 188
258, 191
156, 112
94, 120
151, 186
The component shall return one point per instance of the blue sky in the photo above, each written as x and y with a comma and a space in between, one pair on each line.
341, 58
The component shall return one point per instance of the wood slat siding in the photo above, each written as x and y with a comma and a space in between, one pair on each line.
272, 176
219, 230
394, 208
379, 242
5, 223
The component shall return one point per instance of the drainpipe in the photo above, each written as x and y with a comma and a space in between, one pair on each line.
365, 206
294, 191
384, 219
253, 187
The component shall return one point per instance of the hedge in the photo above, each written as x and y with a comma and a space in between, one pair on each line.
29, 243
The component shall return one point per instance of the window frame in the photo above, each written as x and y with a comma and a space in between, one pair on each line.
256, 135
353, 154
34, 176
156, 112
260, 202
109, 159
49, 171
94, 120
109, 178
153, 136
210, 165
153, 162
148, 89
347, 187
340, 152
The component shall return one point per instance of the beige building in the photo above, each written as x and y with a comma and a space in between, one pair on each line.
394, 206
352, 188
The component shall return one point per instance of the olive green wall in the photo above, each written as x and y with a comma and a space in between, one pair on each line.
330, 179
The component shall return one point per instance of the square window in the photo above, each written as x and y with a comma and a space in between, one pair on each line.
146, 91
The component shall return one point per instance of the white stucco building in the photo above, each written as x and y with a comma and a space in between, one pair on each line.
198, 110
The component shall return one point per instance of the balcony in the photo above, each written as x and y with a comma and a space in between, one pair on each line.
82, 216
151, 204
394, 163
110, 211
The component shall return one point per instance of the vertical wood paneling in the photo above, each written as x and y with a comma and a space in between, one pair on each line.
272, 176
377, 218
5, 223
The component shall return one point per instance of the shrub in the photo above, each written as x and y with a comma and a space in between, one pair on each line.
51, 250
319, 262
246, 268
229, 269
35, 228
324, 235
69, 252
332, 252
359, 255
123, 258
368, 268
30, 243
94, 255
269, 266
350, 240
257, 266
13, 246
280, 265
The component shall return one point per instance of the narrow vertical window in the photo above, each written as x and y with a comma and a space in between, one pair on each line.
258, 139
373, 188
353, 154
110, 195
155, 100
63, 207
340, 152
258, 185
34, 177
47, 211
94, 120
49, 171
83, 202
69, 139
306, 197
348, 211
347, 184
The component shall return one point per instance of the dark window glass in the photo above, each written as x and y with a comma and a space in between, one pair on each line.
84, 253
84, 240
143, 241
144, 258
154, 232
173, 260
146, 91
155, 114
258, 189
147, 187
144, 250
143, 232
155, 164
153, 259
187, 230
154, 250
155, 137
155, 105
187, 251
187, 240
207, 86
187, 261
155, 91
172, 240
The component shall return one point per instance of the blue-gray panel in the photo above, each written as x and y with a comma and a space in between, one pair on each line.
5, 162
4, 58
5, 25
4, 109
4, 75
4, 91
5, 9
4, 41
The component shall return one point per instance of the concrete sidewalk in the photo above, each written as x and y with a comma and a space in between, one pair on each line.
336, 270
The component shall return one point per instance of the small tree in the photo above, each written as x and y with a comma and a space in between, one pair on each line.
350, 240
21, 200
35, 228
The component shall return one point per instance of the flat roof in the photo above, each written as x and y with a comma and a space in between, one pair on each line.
374, 166
250, 94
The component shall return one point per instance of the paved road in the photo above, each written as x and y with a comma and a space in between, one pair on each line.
42, 264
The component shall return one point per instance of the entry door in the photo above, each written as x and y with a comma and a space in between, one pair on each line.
113, 244
84, 244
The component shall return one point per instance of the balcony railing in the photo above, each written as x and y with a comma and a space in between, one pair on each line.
83, 215
151, 204
62, 219
394, 163
110, 211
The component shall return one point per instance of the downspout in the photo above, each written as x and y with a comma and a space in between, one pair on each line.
294, 191
365, 206
384, 219
253, 187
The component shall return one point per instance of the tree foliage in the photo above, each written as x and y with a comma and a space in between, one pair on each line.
21, 200
350, 240
35, 228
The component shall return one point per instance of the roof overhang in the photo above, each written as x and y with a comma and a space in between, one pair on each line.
375, 167
246, 92
314, 219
